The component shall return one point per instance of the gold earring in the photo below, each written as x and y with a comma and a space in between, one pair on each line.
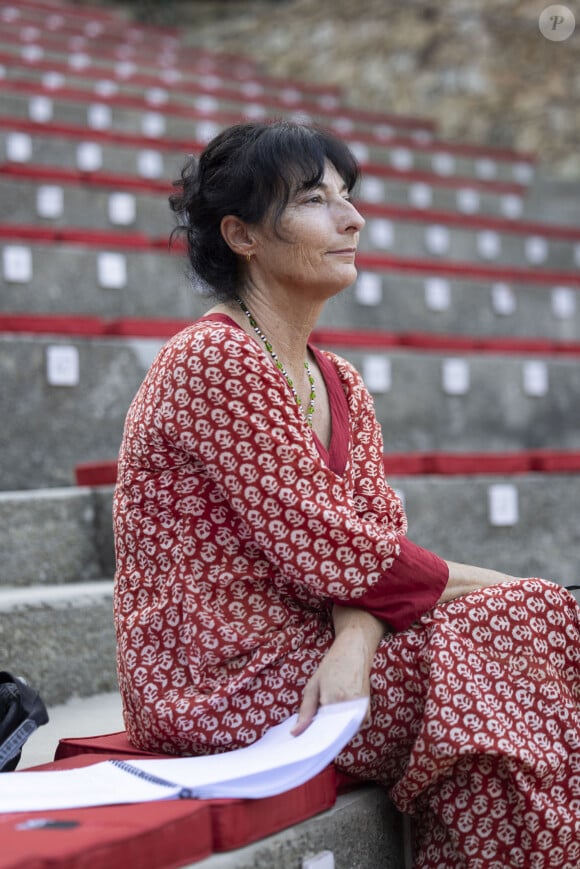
248, 258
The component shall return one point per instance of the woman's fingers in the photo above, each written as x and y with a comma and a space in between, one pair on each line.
308, 707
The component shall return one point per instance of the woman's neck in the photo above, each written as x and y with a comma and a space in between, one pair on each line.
286, 324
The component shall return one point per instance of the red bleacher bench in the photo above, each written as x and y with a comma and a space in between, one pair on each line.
151, 835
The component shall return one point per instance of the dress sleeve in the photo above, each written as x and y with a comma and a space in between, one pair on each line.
417, 577
218, 400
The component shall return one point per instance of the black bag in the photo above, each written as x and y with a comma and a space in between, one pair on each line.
21, 712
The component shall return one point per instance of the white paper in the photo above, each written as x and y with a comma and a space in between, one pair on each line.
106, 88
79, 60
275, 763
535, 378
437, 239
468, 200
503, 299
40, 109
443, 163
455, 376
18, 147
420, 195
360, 151
489, 244
381, 233
206, 130
563, 303
486, 168
153, 125
376, 372
437, 294
89, 156
31, 53
99, 116
53, 80
255, 110
272, 765
511, 206
523, 173
150, 164
62, 365
17, 264
536, 249
344, 126
401, 158
156, 96
49, 201
368, 289
121, 209
503, 507
112, 270
372, 189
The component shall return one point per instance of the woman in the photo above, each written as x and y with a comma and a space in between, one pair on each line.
263, 562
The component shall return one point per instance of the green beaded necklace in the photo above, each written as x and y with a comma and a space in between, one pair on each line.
267, 344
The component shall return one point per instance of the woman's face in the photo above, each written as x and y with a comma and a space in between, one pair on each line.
315, 243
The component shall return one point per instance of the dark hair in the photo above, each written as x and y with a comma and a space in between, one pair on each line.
249, 170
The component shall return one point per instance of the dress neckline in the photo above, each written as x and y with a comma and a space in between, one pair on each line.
335, 457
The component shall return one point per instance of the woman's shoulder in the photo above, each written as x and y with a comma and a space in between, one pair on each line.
345, 369
211, 329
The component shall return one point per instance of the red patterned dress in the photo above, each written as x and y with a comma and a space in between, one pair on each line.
235, 532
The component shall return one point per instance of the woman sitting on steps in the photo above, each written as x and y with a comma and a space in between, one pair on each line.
263, 565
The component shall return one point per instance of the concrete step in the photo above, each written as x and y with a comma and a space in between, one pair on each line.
523, 524
361, 831
395, 300
60, 638
55, 536
425, 399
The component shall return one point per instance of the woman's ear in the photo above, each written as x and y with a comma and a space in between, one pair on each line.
237, 235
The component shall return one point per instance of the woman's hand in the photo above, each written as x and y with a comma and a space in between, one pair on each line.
344, 672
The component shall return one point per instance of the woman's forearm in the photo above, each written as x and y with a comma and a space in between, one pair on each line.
465, 578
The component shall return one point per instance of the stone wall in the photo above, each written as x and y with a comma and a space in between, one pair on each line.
481, 68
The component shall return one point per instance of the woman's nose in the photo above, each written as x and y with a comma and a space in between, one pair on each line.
352, 219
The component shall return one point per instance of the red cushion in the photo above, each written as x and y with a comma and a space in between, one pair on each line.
236, 823
108, 743
152, 835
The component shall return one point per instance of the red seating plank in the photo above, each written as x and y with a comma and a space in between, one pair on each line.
381, 263
555, 461
69, 324
96, 474
234, 823
469, 221
155, 835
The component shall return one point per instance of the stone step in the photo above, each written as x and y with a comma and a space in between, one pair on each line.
60, 638
361, 831
524, 524
423, 231
427, 398
51, 537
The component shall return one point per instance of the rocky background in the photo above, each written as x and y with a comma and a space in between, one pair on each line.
481, 68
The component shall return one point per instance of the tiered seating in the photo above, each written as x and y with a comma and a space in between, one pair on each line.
464, 322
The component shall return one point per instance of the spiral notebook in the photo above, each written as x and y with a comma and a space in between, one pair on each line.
275, 763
